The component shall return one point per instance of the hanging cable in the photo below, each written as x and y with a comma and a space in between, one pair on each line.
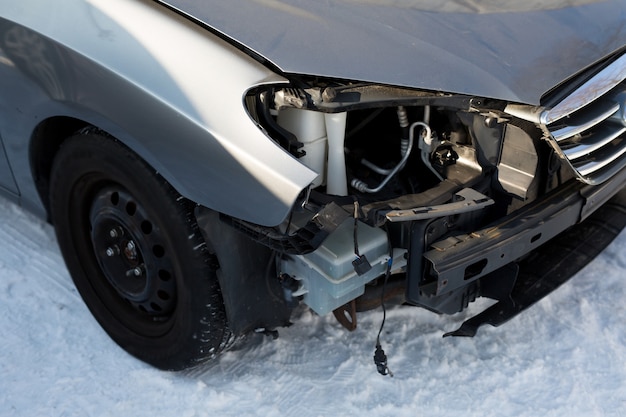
361, 264
380, 359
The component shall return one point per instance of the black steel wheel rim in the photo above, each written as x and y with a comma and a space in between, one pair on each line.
132, 253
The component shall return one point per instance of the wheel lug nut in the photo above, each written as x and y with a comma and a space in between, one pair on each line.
116, 232
112, 251
136, 272
130, 250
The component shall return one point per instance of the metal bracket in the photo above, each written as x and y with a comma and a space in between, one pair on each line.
467, 200
346, 315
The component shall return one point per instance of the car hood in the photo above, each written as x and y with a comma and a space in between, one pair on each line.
492, 48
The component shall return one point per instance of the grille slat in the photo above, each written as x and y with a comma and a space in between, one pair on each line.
588, 126
593, 137
603, 165
590, 118
593, 142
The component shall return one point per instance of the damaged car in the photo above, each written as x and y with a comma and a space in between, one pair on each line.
210, 166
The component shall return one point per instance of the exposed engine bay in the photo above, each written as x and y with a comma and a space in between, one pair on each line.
401, 174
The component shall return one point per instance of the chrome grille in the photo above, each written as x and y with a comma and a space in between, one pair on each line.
588, 128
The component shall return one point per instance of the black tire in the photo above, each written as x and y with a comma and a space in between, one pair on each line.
136, 255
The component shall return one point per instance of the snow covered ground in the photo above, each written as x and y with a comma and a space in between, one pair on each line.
564, 357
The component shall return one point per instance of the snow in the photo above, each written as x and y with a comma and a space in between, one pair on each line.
566, 356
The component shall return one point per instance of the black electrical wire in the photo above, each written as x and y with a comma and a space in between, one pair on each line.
356, 228
380, 359
361, 264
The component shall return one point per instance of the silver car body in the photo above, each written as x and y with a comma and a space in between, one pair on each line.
168, 65
397, 43
515, 114
515, 51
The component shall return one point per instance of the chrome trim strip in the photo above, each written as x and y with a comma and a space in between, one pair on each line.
596, 195
593, 166
593, 89
598, 116
589, 147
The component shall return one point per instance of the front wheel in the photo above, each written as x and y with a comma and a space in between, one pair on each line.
136, 255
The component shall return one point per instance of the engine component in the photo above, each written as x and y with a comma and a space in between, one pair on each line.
337, 184
310, 129
466, 200
327, 276
304, 240
362, 186
518, 162
321, 137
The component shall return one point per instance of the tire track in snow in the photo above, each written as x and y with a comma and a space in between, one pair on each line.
34, 251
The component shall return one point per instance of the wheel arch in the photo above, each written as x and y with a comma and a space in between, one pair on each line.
45, 142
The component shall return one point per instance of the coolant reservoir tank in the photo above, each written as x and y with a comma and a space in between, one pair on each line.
310, 129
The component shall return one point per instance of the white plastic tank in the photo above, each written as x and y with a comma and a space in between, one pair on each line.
310, 129
336, 180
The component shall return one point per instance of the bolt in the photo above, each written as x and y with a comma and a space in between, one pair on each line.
329, 94
130, 251
136, 271
491, 122
112, 251
116, 232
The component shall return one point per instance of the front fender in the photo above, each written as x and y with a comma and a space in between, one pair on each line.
167, 88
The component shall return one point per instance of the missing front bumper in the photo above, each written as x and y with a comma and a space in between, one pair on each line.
450, 269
